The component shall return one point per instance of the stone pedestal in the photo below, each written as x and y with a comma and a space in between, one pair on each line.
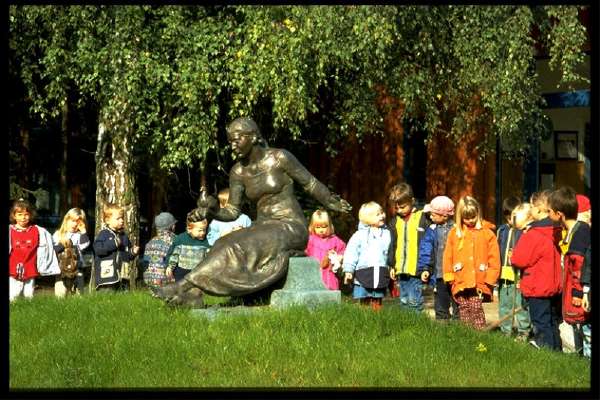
303, 286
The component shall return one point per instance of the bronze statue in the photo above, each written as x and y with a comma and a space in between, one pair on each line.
253, 258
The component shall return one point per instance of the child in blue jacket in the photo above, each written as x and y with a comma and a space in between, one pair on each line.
431, 255
365, 258
112, 248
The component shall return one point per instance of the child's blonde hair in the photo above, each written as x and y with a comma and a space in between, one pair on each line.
20, 206
467, 207
223, 197
367, 212
73, 214
319, 217
109, 209
540, 199
521, 215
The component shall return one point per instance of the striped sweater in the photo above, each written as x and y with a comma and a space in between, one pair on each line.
186, 252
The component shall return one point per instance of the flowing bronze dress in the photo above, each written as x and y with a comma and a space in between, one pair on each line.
253, 258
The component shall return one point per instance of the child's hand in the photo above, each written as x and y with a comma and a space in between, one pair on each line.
347, 278
576, 301
325, 262
392, 274
169, 272
585, 303
135, 250
425, 276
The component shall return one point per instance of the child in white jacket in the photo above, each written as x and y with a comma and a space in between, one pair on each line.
365, 258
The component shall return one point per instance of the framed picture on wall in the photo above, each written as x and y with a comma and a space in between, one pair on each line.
566, 145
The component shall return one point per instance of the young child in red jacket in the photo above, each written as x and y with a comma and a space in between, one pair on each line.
538, 255
563, 208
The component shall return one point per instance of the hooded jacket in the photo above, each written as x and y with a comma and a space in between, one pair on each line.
538, 255
368, 247
472, 260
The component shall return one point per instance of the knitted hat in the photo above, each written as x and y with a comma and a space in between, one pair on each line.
164, 220
583, 203
440, 205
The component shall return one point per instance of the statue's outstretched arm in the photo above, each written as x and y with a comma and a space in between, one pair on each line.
311, 184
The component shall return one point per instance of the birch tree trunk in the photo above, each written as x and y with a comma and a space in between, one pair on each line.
116, 181
64, 182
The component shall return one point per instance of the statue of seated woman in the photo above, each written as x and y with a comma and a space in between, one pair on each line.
248, 260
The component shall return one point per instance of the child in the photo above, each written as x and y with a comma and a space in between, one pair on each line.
537, 255
72, 233
325, 247
217, 228
188, 248
155, 253
471, 262
584, 214
112, 248
539, 204
563, 209
584, 209
366, 256
431, 255
30, 251
407, 228
509, 294
586, 302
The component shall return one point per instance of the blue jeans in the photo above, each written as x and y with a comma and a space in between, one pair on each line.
586, 329
507, 294
544, 318
443, 301
411, 296
582, 337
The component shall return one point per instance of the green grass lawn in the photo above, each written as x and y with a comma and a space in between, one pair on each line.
131, 340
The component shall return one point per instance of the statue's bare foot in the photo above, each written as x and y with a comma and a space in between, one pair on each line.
171, 290
190, 298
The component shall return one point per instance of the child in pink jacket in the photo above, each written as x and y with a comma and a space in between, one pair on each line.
325, 247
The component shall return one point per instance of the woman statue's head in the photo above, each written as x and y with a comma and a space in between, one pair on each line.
245, 126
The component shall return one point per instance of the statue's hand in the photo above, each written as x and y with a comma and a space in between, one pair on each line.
336, 203
207, 205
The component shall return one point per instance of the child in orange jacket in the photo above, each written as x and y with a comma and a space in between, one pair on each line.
471, 262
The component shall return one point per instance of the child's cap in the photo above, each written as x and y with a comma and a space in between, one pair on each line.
583, 203
164, 220
440, 205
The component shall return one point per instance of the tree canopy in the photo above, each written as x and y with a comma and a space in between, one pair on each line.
185, 71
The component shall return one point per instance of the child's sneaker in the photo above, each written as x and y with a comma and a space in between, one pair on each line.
534, 343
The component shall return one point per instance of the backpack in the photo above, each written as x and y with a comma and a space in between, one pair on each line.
67, 261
